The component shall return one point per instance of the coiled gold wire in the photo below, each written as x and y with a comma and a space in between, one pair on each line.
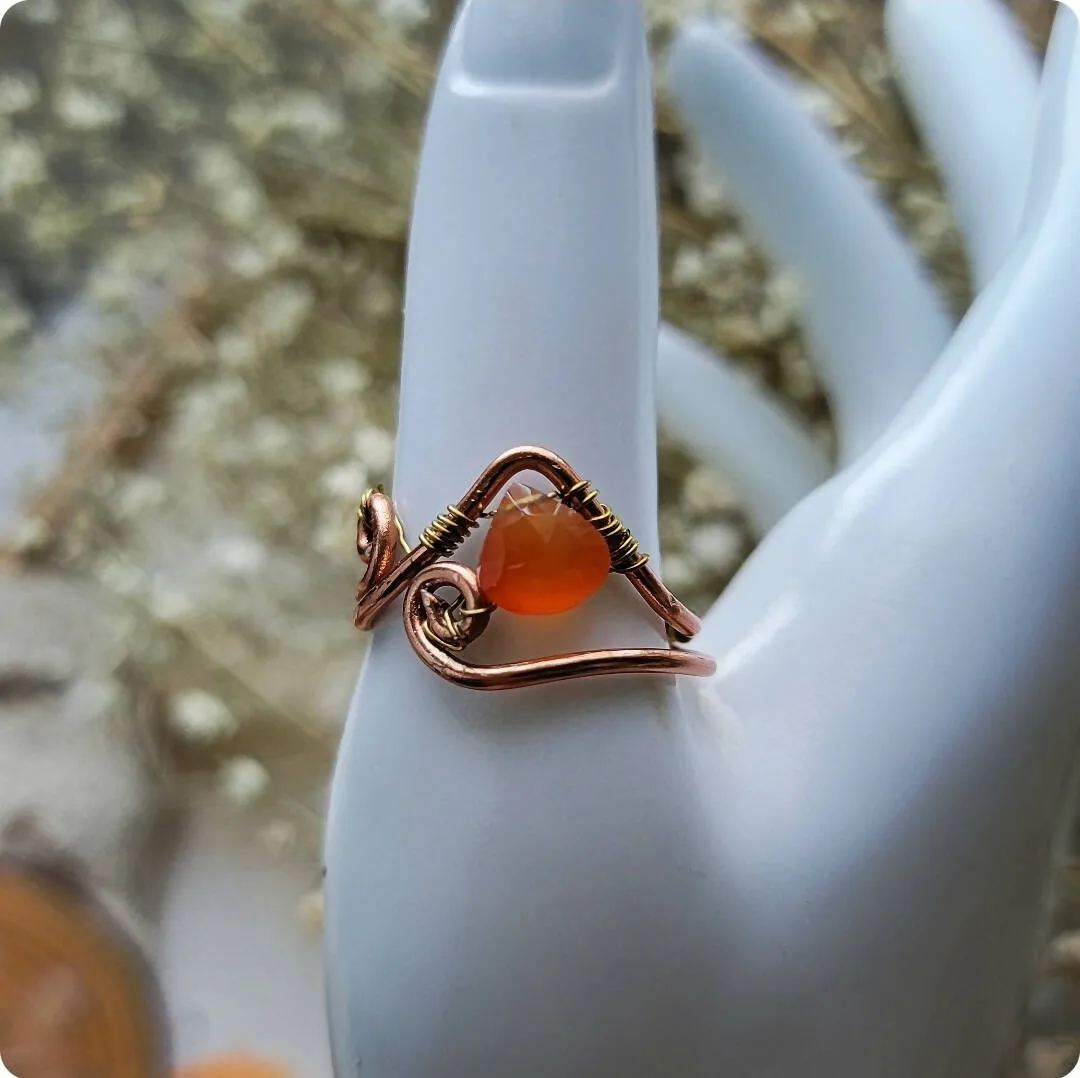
447, 532
454, 641
626, 555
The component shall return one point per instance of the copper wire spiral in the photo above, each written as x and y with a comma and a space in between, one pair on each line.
440, 630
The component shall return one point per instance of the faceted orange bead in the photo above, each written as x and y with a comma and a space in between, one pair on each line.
540, 556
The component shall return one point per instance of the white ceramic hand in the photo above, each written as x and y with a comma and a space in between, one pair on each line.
872, 316
832, 857
894, 766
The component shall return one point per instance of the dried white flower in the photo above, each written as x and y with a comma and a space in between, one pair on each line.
109, 22
121, 576
716, 546
309, 112
800, 379
727, 252
303, 111
346, 481
379, 298
244, 780
783, 300
933, 220
278, 838
876, 69
206, 408
22, 164
30, 534
18, 93
793, 19
235, 346
199, 717
15, 320
689, 266
820, 104
279, 240
169, 604
705, 492
1064, 951
367, 74
88, 110
234, 11
404, 15
217, 167
375, 448
269, 437
335, 535
273, 243
248, 260
40, 12
679, 574
138, 494
281, 311
704, 187
342, 377
237, 555
240, 204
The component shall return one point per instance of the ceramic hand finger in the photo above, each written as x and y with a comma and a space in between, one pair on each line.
469, 832
976, 108
972, 83
739, 429
873, 318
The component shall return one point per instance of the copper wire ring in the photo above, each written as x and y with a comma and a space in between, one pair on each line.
440, 631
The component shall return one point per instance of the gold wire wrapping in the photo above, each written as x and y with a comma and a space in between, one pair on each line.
626, 555
453, 625
447, 532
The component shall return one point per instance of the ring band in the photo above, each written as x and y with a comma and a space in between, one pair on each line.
439, 630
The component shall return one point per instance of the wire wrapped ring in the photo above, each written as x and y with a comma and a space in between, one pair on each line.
440, 630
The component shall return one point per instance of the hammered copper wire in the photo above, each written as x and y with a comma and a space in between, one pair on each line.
425, 569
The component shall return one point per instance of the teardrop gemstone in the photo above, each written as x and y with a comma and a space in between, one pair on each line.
540, 556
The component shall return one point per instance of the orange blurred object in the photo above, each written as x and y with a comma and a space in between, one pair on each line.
77, 995
234, 1066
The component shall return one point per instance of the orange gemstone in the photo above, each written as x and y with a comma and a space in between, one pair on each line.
540, 556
